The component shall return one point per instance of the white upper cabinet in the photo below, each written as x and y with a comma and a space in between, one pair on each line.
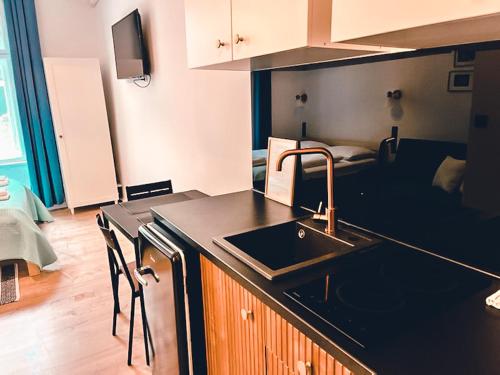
262, 34
262, 27
208, 32
415, 24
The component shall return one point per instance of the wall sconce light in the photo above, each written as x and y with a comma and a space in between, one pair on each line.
396, 94
300, 100
301, 97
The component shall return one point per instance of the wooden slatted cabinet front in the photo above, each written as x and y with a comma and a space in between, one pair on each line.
244, 336
291, 352
234, 325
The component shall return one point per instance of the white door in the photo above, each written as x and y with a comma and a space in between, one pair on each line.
361, 18
208, 32
261, 26
82, 130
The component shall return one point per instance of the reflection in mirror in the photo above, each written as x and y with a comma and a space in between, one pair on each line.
416, 141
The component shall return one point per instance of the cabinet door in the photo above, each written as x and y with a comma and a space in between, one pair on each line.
268, 26
244, 336
233, 325
275, 366
289, 351
208, 32
81, 124
360, 18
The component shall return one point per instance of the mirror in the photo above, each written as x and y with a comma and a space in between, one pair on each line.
416, 139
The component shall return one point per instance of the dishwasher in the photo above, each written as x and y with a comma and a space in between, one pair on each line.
170, 279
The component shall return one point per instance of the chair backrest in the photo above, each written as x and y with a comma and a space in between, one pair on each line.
149, 190
114, 250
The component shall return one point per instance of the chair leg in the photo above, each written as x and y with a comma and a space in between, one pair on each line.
115, 313
150, 340
117, 294
116, 307
131, 332
144, 325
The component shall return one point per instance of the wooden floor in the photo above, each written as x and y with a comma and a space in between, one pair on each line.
62, 323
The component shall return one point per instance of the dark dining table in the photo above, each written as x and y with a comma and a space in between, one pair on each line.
127, 217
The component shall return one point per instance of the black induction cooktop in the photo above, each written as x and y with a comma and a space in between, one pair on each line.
385, 292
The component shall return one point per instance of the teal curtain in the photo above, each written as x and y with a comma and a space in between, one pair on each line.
261, 109
32, 98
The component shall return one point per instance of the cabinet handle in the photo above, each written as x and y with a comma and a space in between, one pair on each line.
140, 272
238, 39
220, 43
304, 368
246, 314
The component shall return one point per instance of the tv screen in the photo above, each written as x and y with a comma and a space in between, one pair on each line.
130, 52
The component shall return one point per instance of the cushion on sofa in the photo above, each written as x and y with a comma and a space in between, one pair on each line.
418, 159
450, 174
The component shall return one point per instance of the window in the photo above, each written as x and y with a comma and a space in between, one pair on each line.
11, 142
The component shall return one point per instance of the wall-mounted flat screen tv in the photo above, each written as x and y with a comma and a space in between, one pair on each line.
130, 51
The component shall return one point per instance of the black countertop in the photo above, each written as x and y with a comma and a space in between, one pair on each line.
465, 340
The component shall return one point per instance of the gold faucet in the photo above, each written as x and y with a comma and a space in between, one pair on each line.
329, 215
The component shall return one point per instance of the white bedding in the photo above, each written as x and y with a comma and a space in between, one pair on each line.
341, 168
315, 160
339, 152
20, 237
259, 157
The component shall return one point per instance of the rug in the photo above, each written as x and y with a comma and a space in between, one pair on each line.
9, 284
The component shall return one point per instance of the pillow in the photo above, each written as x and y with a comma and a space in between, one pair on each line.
309, 144
450, 174
316, 160
352, 153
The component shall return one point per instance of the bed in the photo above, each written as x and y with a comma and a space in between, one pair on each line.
20, 236
348, 160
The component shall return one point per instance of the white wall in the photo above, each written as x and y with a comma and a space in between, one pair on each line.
191, 126
70, 28
349, 103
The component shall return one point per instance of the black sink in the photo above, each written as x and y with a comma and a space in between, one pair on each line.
282, 249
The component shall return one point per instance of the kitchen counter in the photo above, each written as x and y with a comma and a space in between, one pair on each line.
465, 340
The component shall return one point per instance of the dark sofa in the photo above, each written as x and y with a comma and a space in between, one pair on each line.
407, 183
401, 200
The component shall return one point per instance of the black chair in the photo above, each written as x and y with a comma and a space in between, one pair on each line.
119, 267
149, 190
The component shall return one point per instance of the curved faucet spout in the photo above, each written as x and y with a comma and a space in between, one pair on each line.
330, 210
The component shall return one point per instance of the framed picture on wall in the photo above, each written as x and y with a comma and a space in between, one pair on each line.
460, 80
464, 57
